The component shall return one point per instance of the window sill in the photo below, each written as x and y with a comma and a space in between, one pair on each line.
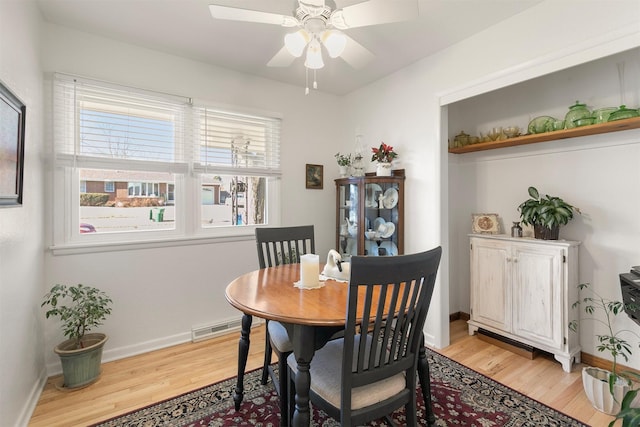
93, 247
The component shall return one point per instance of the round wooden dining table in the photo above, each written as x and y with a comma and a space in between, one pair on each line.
311, 317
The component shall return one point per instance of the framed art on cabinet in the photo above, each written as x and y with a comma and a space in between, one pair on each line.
12, 124
313, 176
485, 223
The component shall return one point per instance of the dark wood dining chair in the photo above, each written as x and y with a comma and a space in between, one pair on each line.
372, 370
276, 246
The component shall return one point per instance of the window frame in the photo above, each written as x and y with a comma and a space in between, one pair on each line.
66, 237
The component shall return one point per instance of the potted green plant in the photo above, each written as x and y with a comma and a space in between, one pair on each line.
80, 309
383, 156
546, 214
606, 389
629, 415
344, 161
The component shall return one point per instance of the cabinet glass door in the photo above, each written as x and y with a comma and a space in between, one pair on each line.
381, 218
369, 215
348, 219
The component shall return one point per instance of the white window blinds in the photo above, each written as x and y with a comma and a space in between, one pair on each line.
101, 125
231, 141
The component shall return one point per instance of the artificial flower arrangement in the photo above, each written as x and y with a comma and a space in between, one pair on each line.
383, 154
343, 159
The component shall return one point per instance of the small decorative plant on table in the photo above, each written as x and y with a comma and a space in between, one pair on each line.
80, 308
344, 161
617, 384
545, 214
383, 155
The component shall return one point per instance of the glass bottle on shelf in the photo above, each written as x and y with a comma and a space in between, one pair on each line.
516, 229
358, 156
358, 165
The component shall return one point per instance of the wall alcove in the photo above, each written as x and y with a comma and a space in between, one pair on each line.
496, 180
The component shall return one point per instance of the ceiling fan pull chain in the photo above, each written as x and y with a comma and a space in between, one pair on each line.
315, 83
306, 74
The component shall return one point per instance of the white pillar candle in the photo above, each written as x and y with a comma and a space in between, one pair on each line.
309, 270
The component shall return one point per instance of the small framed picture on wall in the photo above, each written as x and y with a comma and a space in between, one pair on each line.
313, 176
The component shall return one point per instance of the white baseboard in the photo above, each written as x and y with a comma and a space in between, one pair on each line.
131, 350
32, 400
140, 348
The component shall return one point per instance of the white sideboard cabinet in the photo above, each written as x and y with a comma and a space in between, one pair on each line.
523, 289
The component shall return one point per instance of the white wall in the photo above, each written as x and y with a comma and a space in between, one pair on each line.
21, 228
404, 110
159, 294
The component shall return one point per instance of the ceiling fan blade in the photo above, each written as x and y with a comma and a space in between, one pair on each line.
374, 12
281, 59
247, 15
355, 54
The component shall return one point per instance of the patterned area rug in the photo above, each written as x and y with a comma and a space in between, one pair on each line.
461, 397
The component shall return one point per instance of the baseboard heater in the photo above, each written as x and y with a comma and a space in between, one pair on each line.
508, 344
204, 332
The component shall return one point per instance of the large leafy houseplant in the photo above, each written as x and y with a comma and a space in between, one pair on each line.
80, 308
546, 214
610, 341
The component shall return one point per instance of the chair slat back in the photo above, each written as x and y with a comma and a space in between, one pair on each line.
376, 345
283, 245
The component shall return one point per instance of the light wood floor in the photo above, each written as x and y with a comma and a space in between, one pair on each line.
138, 381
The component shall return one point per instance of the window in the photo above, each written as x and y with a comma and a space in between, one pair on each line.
137, 165
237, 161
144, 189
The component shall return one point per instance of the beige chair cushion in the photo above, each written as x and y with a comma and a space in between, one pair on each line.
279, 337
326, 377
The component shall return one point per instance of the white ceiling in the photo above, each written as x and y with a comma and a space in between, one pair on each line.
186, 28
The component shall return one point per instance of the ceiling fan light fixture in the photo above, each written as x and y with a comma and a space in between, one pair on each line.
314, 56
296, 42
335, 42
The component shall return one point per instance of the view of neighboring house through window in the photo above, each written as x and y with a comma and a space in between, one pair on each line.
241, 149
130, 158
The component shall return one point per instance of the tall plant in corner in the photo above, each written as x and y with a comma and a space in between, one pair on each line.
80, 309
629, 415
610, 341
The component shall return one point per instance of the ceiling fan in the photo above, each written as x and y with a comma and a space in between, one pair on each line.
320, 23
